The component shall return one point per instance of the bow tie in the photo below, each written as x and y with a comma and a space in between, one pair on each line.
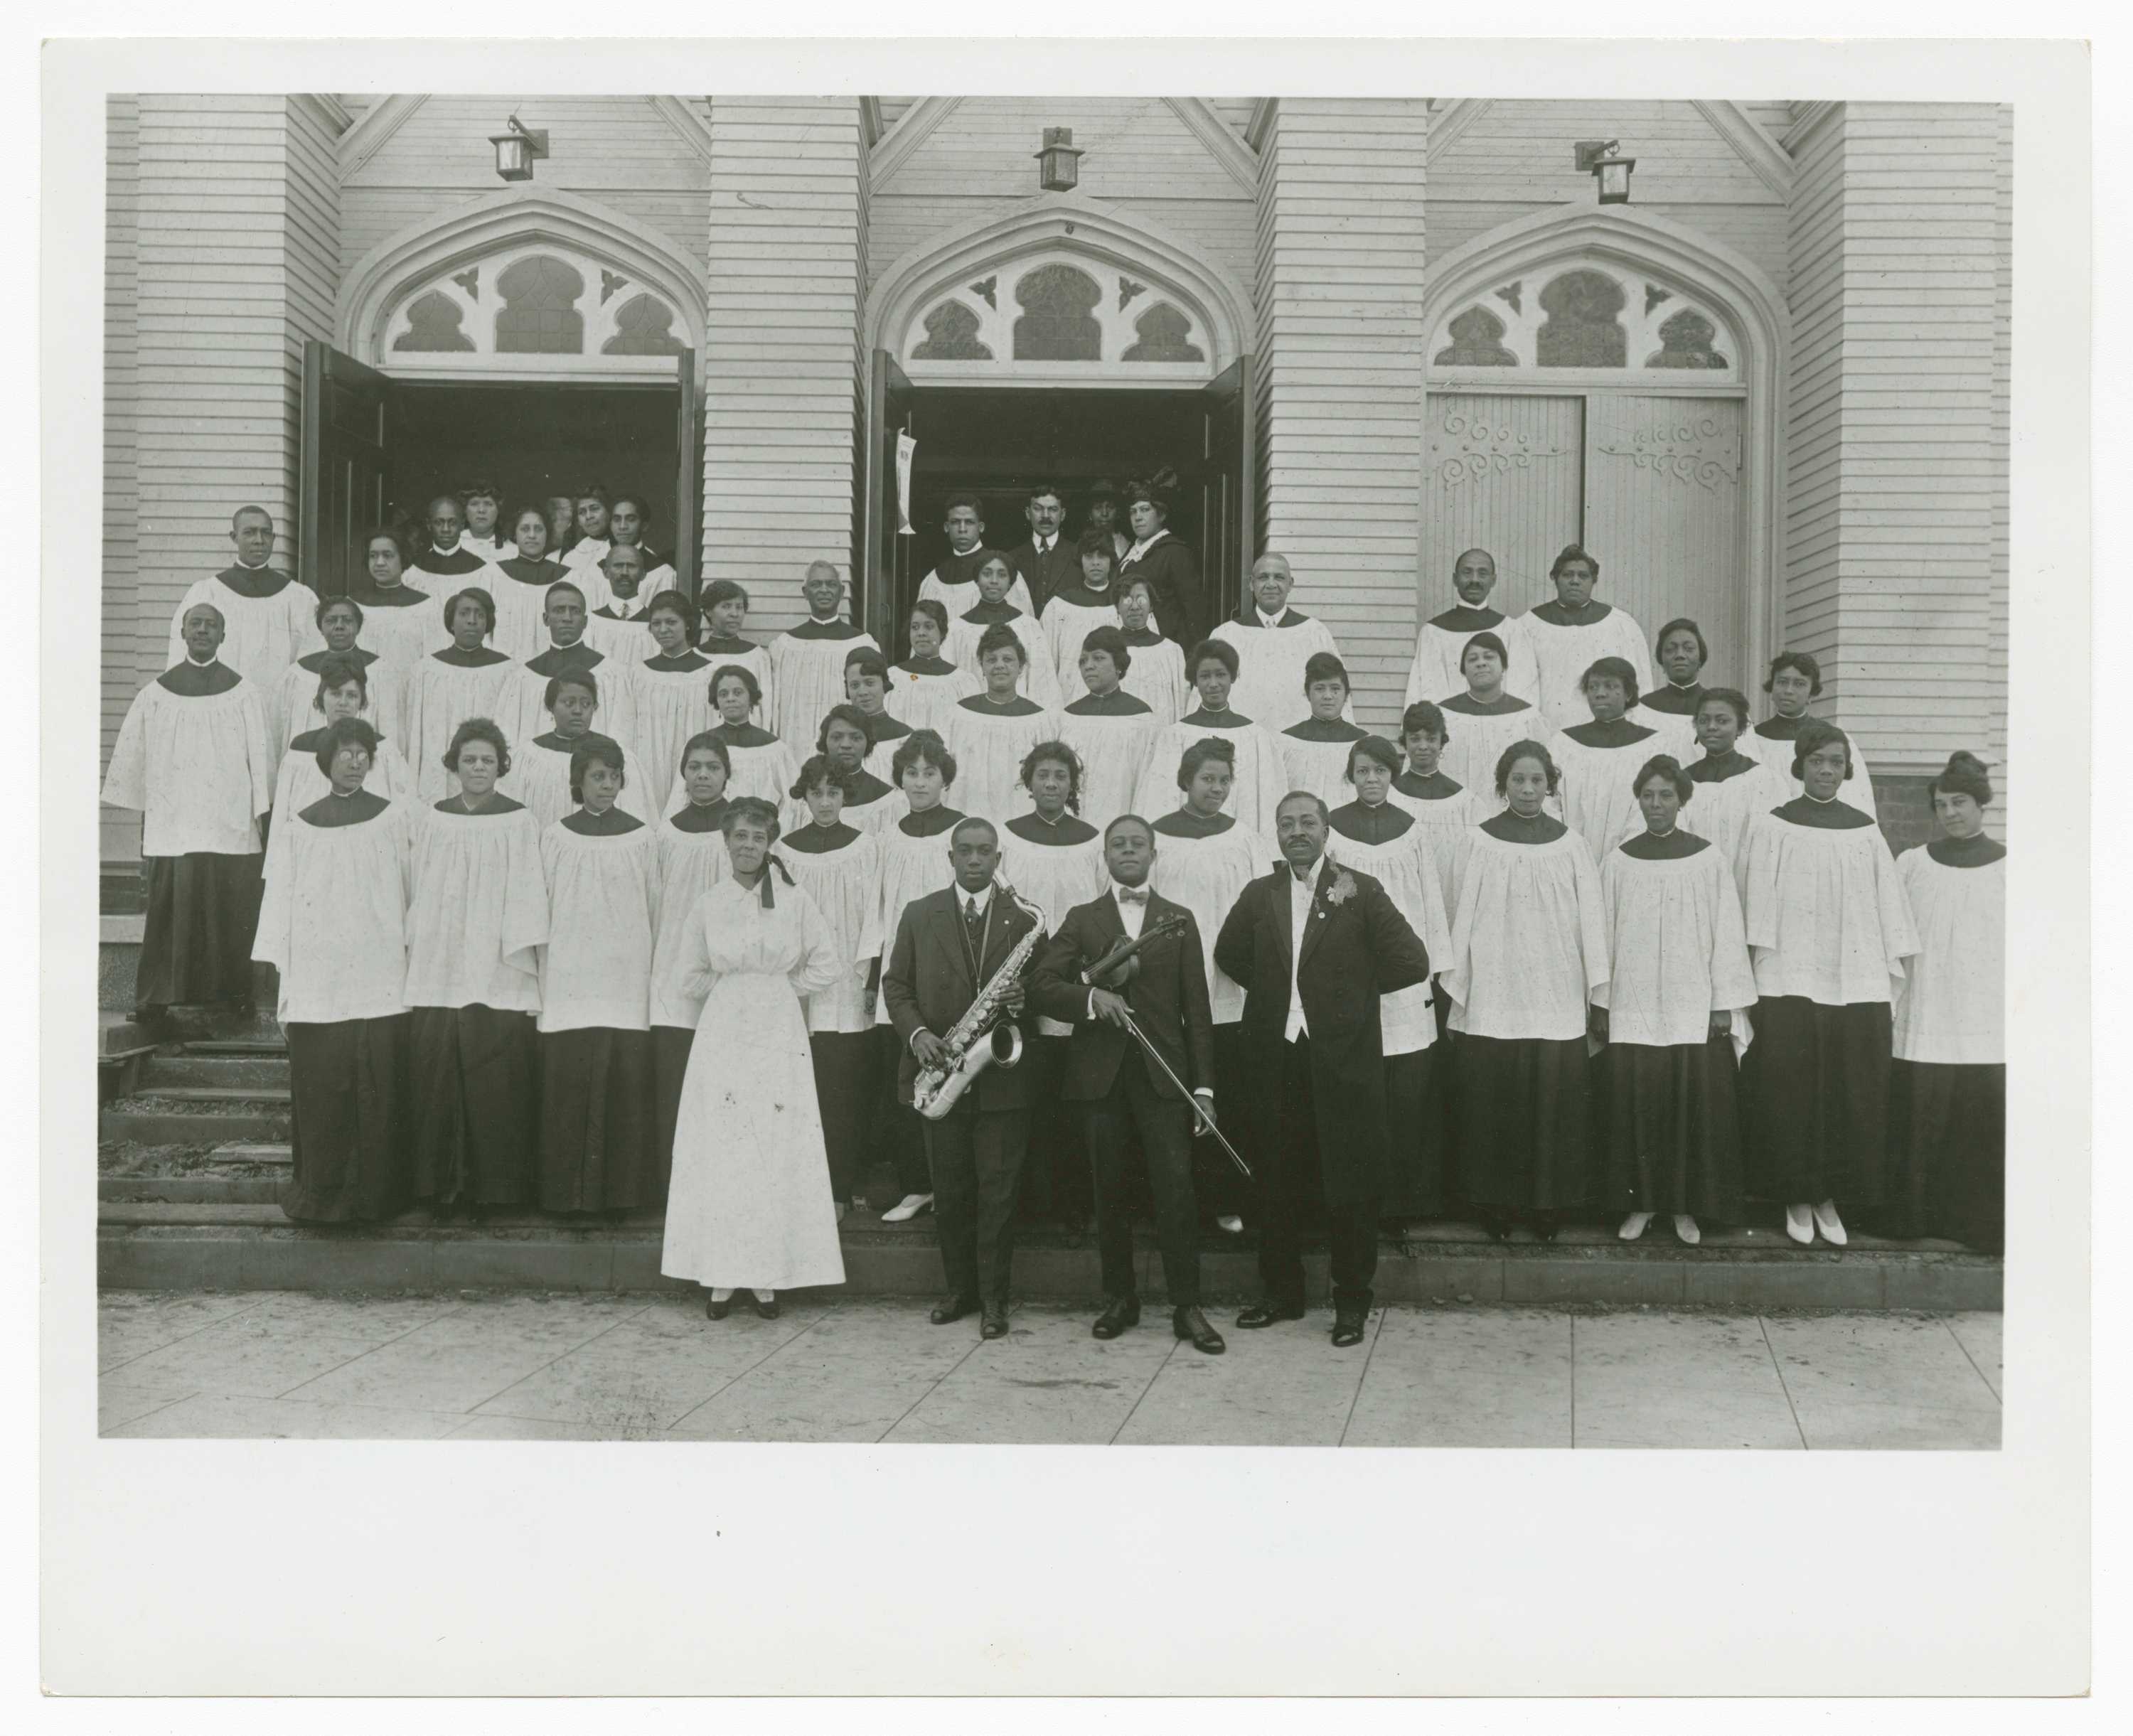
1132, 894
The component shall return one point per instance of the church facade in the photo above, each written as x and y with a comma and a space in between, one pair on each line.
1770, 390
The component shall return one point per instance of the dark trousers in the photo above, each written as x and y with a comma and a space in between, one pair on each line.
845, 1066
1290, 1186
893, 1136
1217, 1184
1134, 1104
976, 1162
1055, 1182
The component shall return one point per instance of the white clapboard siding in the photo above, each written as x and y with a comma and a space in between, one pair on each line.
1892, 460
2002, 402
783, 376
120, 836
1341, 262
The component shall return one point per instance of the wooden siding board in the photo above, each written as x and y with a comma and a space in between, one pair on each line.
118, 831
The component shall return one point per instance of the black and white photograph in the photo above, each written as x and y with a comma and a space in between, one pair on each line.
1066, 768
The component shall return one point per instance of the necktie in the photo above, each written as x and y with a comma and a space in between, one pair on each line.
973, 923
1132, 895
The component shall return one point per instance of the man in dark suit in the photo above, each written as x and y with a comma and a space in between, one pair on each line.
1164, 987
1045, 559
1315, 945
949, 945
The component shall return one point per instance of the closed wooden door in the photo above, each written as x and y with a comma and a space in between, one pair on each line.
1505, 473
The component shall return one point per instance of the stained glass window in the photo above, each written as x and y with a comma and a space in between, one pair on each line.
433, 324
643, 326
1058, 323
951, 335
539, 315
1688, 337
1583, 328
1165, 335
1477, 341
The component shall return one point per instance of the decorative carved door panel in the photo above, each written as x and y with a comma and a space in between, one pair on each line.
1505, 473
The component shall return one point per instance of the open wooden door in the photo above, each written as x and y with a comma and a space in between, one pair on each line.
341, 488
881, 569
1228, 506
689, 481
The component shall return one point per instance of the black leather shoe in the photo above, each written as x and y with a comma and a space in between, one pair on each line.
768, 1310
715, 1310
951, 1308
993, 1323
1265, 1314
1348, 1329
1119, 1313
1191, 1323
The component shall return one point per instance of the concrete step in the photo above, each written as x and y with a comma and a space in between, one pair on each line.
270, 1048
238, 1151
190, 1190
239, 1075
214, 1094
148, 1123
247, 1244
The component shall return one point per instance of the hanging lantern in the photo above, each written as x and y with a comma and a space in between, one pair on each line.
516, 149
1601, 159
1058, 165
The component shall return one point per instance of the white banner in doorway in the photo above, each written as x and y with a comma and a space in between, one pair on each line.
906, 447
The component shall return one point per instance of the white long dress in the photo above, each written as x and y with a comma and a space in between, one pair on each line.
604, 910
1406, 871
989, 743
1678, 948
479, 913
197, 769
1827, 915
1257, 785
1322, 767
1207, 875
1528, 939
261, 636
1777, 752
1040, 668
293, 707
672, 704
687, 865
749, 1204
1441, 819
1561, 655
925, 699
1722, 812
807, 669
1156, 676
1952, 1010
333, 918
540, 778
1269, 684
1598, 797
910, 868
1113, 749
441, 696
299, 782
1434, 674
845, 885
1475, 741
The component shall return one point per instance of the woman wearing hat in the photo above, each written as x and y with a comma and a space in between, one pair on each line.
1172, 569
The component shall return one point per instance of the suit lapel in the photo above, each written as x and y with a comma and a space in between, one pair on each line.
1280, 898
1009, 920
951, 924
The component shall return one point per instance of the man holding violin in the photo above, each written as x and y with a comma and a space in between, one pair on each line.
1132, 959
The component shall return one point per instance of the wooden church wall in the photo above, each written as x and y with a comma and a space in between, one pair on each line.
121, 662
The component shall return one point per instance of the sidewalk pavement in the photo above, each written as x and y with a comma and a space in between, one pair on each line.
596, 1367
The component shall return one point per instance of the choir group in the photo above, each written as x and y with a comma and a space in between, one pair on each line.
581, 900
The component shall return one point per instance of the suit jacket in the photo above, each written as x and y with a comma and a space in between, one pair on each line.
926, 984
1357, 947
1168, 998
1047, 574
1172, 571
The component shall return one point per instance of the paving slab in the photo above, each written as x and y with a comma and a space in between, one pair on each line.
1856, 1425
218, 1416
250, 1357
1283, 1385
1882, 1359
119, 1401
1979, 1334
1046, 1381
1466, 1378
131, 1323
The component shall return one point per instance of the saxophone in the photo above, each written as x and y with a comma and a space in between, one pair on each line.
978, 1040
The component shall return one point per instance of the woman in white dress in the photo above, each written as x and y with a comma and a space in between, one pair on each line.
1599, 760
1443, 807
332, 921
1157, 675
749, 1204
342, 691
840, 867
725, 604
925, 687
691, 853
522, 583
1039, 681
598, 1135
1314, 754
1795, 678
1110, 729
991, 733
1258, 785
475, 925
1528, 951
673, 695
1485, 720
1669, 710
468, 678
289, 707
1833, 935
1731, 787
1673, 1017
1947, 1091
761, 764
870, 804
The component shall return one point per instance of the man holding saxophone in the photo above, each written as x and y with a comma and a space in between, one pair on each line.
960, 963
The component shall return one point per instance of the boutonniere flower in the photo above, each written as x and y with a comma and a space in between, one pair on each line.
1344, 888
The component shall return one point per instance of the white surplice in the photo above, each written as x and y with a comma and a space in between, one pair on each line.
963, 594
1259, 778
197, 770
603, 910
293, 707
687, 865
479, 911
1408, 872
808, 678
672, 704
1322, 767
989, 746
767, 771
261, 636
910, 868
1673, 733
299, 782
1529, 938
1155, 675
1473, 744
1561, 655
1826, 913
845, 885
522, 625
627, 642
1951, 1010
1857, 790
1443, 823
1066, 625
1435, 674
925, 701
1678, 947
1269, 685
1113, 753
615, 713
1598, 791
441, 697
540, 778
333, 917
1723, 811
1207, 876
1040, 667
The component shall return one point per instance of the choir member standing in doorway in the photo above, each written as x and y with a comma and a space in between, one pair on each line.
953, 584
1171, 569
403, 626
1045, 561
521, 581
629, 523
1039, 680
481, 508
442, 563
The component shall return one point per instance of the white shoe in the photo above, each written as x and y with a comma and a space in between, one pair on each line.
1684, 1227
1830, 1225
1799, 1225
907, 1208
1231, 1224
1633, 1226
841, 1209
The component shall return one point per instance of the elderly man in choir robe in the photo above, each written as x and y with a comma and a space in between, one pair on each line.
1272, 642
954, 583
443, 566
269, 619
617, 628
1435, 675
1046, 561
564, 614
808, 662
1568, 636
193, 757
628, 520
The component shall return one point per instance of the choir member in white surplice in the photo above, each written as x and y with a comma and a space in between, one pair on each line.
599, 1112
475, 925
991, 733
1731, 787
617, 627
925, 686
724, 604
403, 622
758, 763
1077, 610
953, 584
1528, 951
291, 711
866, 687
628, 523
1112, 731
1434, 674
1259, 779
1442, 805
840, 867
1483, 720
1376, 836
521, 584
1171, 568
1673, 1015
468, 678
567, 652
1157, 674
750, 1204
1574, 631
1314, 753
589, 542
1833, 935
1599, 760
1669, 710
341, 691
192, 758
673, 695
1039, 681
334, 922
481, 505
1274, 643
1794, 679
266, 616
1947, 1091
807, 664
1054, 860
871, 803
541, 775
692, 851
441, 565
